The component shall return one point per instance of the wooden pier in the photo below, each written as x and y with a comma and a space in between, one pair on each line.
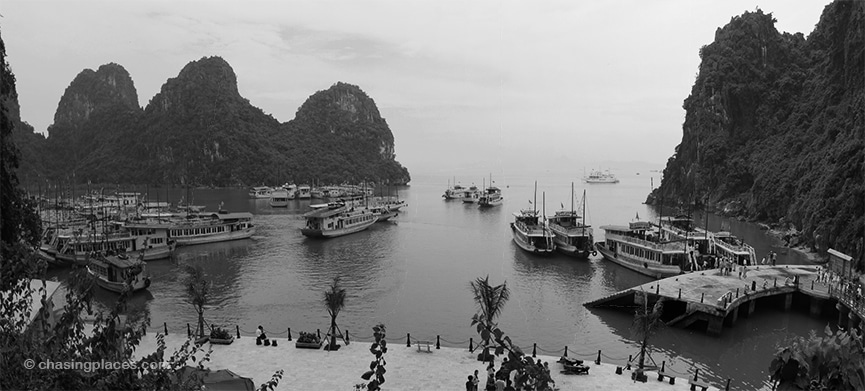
707, 296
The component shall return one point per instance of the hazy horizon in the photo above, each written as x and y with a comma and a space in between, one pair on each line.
481, 86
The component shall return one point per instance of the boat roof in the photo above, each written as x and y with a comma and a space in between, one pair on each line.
322, 213
642, 226
123, 263
493, 188
261, 188
232, 216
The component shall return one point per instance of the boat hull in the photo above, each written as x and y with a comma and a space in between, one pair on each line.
650, 269
333, 233
527, 246
485, 203
573, 251
119, 287
219, 237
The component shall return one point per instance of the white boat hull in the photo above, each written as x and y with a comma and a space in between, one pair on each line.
522, 242
218, 237
651, 269
333, 233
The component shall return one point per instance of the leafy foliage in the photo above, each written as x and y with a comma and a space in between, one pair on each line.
197, 292
308, 337
774, 121
220, 333
334, 300
835, 361
375, 374
646, 323
490, 301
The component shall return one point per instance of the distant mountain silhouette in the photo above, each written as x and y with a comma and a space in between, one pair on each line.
199, 130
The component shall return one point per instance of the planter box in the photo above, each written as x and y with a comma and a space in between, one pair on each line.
308, 345
220, 341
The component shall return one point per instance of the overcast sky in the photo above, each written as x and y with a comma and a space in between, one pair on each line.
461, 83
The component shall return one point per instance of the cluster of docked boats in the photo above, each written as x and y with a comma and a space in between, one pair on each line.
671, 247
115, 250
279, 196
348, 215
486, 196
565, 231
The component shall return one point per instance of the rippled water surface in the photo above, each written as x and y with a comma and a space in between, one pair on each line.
413, 275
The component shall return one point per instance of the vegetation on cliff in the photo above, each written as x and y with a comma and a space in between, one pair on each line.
199, 130
774, 125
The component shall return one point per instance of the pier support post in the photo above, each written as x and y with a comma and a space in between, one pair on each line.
842, 314
852, 320
715, 326
734, 316
751, 305
816, 306
788, 301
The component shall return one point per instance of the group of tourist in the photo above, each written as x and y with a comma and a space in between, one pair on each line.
511, 376
843, 286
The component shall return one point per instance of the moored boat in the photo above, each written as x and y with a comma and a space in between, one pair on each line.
530, 234
216, 227
454, 192
260, 192
119, 273
337, 219
471, 195
571, 234
279, 199
637, 247
492, 196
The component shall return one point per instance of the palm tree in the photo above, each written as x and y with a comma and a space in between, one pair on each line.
334, 300
197, 292
645, 325
490, 300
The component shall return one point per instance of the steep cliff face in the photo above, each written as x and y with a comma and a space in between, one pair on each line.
96, 110
344, 129
775, 125
108, 86
202, 131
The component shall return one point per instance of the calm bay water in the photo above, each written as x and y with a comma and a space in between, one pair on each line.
413, 275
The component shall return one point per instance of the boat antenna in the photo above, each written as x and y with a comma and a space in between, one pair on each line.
572, 197
535, 204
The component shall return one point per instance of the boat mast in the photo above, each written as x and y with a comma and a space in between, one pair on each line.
535, 203
584, 211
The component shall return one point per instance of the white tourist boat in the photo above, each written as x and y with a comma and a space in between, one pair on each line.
598, 176
638, 247
456, 191
149, 241
216, 227
119, 273
572, 235
531, 234
492, 196
279, 198
260, 192
471, 195
304, 192
727, 246
291, 190
337, 219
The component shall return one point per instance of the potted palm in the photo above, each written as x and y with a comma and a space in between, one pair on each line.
221, 336
308, 341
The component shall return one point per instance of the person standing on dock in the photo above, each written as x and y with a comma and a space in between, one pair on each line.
772, 256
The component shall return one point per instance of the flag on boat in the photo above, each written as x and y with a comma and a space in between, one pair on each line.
530, 201
638, 216
562, 204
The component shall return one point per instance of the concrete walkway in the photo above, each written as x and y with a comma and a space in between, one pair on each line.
407, 369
